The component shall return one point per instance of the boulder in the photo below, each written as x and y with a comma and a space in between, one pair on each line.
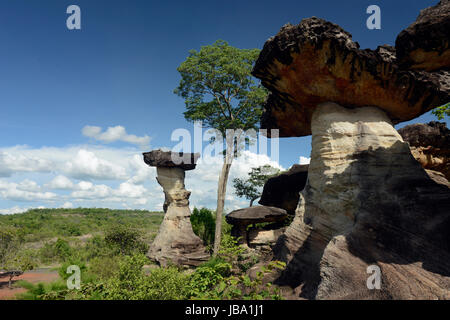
424, 44
175, 242
283, 190
242, 218
367, 204
430, 145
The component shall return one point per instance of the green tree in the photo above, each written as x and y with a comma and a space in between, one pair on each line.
442, 111
218, 89
13, 260
251, 188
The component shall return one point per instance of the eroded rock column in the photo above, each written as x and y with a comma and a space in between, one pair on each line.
175, 242
367, 202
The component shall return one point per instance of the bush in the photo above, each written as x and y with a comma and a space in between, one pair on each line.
59, 251
132, 284
125, 240
203, 224
104, 268
208, 275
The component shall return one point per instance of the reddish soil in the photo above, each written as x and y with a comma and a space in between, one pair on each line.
31, 276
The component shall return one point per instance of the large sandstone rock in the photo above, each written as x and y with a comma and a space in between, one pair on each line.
316, 61
425, 43
367, 202
175, 242
283, 190
430, 145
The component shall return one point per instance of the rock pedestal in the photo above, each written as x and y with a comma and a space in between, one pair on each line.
175, 242
242, 218
367, 202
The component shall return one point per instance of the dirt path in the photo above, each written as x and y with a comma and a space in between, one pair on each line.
35, 276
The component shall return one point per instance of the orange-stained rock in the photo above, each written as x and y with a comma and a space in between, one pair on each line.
317, 61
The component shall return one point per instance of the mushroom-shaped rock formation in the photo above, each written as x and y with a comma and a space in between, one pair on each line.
430, 145
283, 190
242, 218
175, 242
367, 201
424, 45
317, 61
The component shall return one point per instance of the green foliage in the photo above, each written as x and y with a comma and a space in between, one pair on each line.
13, 255
251, 188
125, 240
55, 251
62, 271
203, 224
44, 224
132, 284
104, 268
217, 87
39, 290
230, 250
242, 287
442, 111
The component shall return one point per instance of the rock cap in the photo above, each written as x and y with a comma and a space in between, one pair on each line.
169, 159
256, 214
317, 61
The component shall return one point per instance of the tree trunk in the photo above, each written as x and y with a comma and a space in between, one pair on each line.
251, 201
10, 280
221, 192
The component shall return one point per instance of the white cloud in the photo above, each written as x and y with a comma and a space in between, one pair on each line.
117, 133
304, 160
13, 210
11, 163
60, 182
100, 176
26, 190
67, 205
87, 165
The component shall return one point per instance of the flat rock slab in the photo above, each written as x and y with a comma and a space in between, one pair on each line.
283, 190
256, 214
168, 159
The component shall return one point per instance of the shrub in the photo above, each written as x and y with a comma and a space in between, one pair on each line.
125, 240
57, 251
104, 268
132, 284
203, 224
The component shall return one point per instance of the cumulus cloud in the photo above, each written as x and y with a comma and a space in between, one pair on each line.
11, 163
24, 191
67, 205
87, 165
101, 176
304, 160
112, 134
60, 182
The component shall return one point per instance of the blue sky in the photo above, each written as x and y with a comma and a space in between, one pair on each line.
120, 70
